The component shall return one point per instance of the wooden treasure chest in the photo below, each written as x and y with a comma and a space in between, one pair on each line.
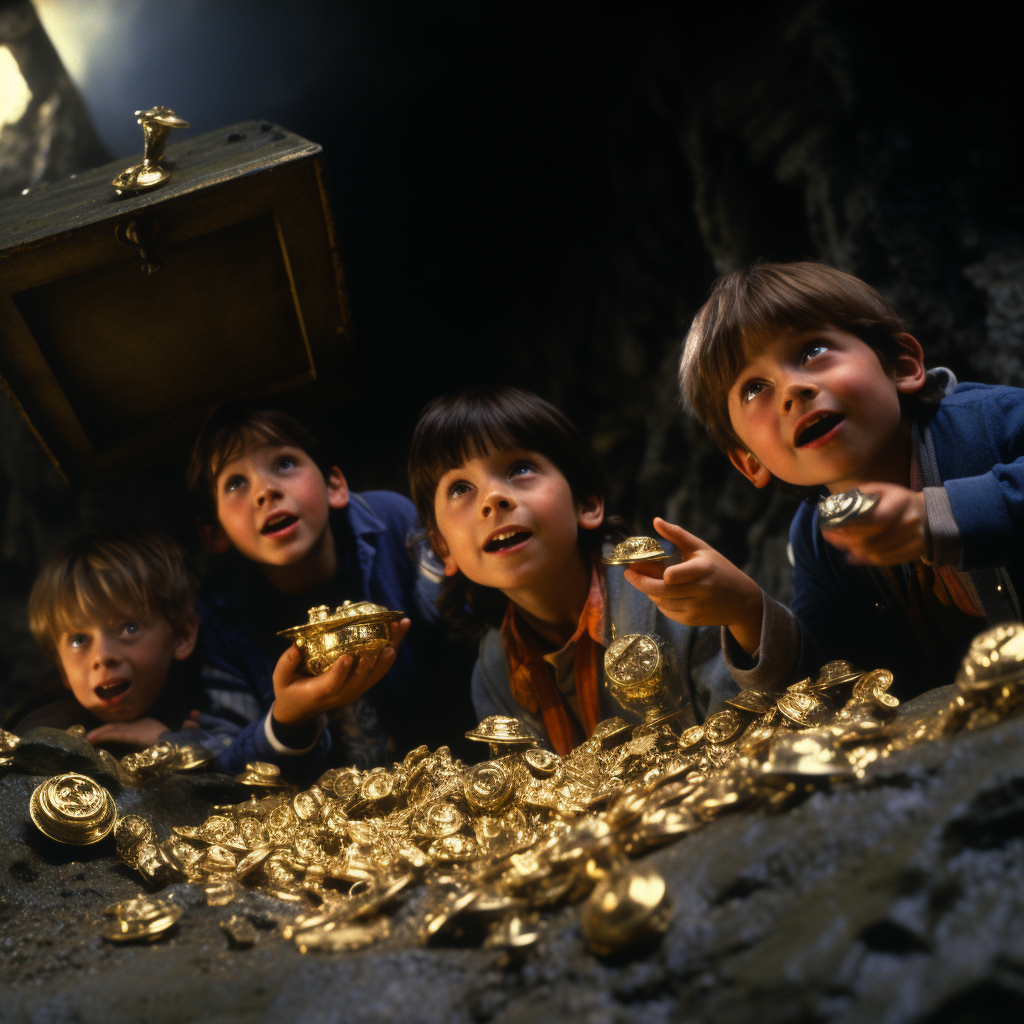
127, 314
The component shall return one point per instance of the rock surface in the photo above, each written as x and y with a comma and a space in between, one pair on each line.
896, 899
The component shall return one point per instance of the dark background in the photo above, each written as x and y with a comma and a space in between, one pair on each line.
542, 194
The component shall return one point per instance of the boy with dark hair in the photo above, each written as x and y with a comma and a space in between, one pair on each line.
806, 374
513, 498
295, 537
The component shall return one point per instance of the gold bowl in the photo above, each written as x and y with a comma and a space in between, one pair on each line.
352, 628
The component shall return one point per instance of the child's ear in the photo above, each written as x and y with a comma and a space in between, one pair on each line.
748, 464
337, 488
439, 546
185, 638
909, 365
591, 512
214, 539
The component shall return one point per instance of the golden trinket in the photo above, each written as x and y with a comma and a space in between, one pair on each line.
352, 628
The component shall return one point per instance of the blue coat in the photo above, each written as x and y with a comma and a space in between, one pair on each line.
973, 448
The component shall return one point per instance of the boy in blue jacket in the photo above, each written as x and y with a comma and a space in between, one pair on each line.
292, 537
806, 374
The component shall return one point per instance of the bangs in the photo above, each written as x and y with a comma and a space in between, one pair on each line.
84, 593
231, 446
479, 421
115, 574
228, 433
748, 308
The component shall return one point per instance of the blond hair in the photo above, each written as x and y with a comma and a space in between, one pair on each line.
108, 574
748, 306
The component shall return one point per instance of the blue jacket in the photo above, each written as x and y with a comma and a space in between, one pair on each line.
392, 570
694, 671
971, 456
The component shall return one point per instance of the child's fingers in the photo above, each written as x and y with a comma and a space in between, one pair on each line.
652, 587
287, 664
652, 570
686, 572
686, 542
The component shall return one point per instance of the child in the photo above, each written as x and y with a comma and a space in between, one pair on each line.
513, 499
115, 612
295, 537
805, 374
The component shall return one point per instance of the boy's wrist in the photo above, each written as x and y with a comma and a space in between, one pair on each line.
746, 629
292, 738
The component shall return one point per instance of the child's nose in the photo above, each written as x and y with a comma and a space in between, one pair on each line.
106, 653
797, 392
495, 501
265, 490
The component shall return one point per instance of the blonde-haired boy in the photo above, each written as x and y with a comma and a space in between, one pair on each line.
115, 612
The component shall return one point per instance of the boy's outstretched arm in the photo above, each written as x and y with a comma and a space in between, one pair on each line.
704, 589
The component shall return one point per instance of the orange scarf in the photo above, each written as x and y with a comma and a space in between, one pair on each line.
530, 679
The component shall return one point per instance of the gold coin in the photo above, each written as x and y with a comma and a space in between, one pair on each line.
488, 786
73, 808
130, 833
722, 726
755, 701
542, 762
691, 737
627, 908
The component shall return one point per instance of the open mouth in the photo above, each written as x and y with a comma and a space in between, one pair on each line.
508, 539
277, 523
108, 691
819, 428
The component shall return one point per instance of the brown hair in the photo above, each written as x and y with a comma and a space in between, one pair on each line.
229, 432
749, 305
478, 420
110, 573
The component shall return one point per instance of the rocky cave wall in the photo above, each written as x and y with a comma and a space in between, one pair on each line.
560, 192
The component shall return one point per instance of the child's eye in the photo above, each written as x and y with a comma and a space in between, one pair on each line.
814, 349
751, 390
286, 462
77, 639
460, 487
521, 468
130, 628
234, 482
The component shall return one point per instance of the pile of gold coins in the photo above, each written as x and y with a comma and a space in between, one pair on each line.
432, 850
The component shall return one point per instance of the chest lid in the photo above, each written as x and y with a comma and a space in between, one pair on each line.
124, 319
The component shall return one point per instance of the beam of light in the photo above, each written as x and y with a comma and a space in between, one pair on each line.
14, 91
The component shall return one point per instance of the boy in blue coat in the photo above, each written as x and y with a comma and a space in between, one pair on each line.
293, 537
805, 374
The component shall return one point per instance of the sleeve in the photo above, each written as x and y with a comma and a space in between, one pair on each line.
256, 742
792, 638
989, 507
779, 655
